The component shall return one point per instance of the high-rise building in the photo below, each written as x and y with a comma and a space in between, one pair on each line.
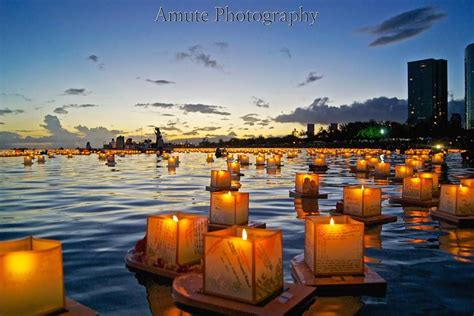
310, 130
469, 85
428, 91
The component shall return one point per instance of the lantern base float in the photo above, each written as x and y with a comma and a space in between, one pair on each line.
187, 291
293, 193
369, 284
135, 262
459, 221
214, 189
74, 308
404, 201
317, 168
213, 227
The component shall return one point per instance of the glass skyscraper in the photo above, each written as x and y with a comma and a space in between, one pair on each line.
428, 91
469, 85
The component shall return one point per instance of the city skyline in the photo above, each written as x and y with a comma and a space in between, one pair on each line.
95, 71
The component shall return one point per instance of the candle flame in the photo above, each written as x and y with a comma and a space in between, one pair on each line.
228, 193
244, 234
331, 222
362, 187
175, 218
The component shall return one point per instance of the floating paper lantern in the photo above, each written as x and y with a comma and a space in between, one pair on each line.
27, 160
334, 246
172, 163
230, 157
277, 160
233, 167
320, 162
165, 156
361, 165
433, 176
220, 179
415, 188
403, 171
260, 160
382, 169
362, 201
415, 163
50, 155
244, 160
102, 156
175, 240
468, 182
371, 162
210, 158
229, 208
457, 199
437, 159
243, 264
69, 156
271, 162
41, 159
307, 183
31, 277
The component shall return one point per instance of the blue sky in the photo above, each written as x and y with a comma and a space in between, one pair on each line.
45, 49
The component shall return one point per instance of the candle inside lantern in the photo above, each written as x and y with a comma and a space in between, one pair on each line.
319, 162
362, 201
172, 163
403, 171
334, 246
260, 160
271, 162
307, 183
457, 199
437, 159
31, 277
371, 162
220, 179
229, 208
174, 240
382, 169
277, 160
415, 163
417, 188
41, 159
468, 182
233, 167
27, 160
243, 264
434, 177
244, 159
361, 165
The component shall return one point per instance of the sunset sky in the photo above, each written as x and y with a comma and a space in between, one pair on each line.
72, 71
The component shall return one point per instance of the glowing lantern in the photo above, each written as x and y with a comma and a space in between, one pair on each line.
230, 157
415, 188
415, 163
174, 240
50, 155
277, 160
260, 160
233, 167
382, 169
433, 176
102, 156
243, 264
172, 163
41, 159
244, 160
176, 158
319, 162
165, 156
403, 171
220, 179
334, 246
362, 201
468, 182
210, 158
271, 162
361, 165
307, 183
372, 162
27, 160
229, 208
437, 159
457, 199
69, 156
31, 277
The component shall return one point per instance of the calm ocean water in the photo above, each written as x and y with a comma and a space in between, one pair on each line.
99, 213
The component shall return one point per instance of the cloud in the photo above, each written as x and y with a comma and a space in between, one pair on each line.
250, 118
156, 105
404, 26
232, 134
8, 111
59, 136
203, 108
312, 77
197, 55
16, 95
160, 82
285, 51
222, 45
1, 123
75, 91
167, 114
170, 128
379, 109
260, 103
93, 58
62, 109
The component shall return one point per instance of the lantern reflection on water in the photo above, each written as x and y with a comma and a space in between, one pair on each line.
31, 277
243, 264
334, 246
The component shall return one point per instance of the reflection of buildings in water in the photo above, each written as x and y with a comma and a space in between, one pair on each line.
331, 306
274, 171
372, 237
305, 207
417, 218
457, 241
171, 170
